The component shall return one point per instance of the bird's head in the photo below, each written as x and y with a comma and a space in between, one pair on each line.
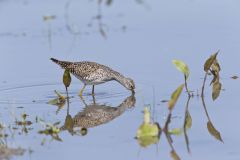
129, 84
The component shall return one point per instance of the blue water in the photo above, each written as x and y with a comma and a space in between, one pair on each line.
141, 41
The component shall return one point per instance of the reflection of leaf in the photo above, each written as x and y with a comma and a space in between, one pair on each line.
66, 78
213, 131
51, 129
175, 96
176, 131
147, 140
83, 131
174, 155
54, 101
147, 116
216, 89
56, 137
147, 128
210, 61
102, 32
69, 122
182, 67
188, 120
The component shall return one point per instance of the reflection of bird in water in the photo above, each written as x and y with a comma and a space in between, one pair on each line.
97, 114
91, 73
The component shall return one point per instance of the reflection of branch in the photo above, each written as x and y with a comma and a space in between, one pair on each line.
67, 101
67, 21
165, 130
169, 138
185, 123
205, 108
202, 96
49, 35
99, 19
210, 127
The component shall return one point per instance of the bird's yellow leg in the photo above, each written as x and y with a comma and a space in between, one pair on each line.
93, 90
81, 91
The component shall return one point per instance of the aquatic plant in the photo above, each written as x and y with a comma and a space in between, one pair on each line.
148, 132
50, 129
183, 67
211, 66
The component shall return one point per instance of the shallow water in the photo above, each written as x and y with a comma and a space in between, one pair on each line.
141, 41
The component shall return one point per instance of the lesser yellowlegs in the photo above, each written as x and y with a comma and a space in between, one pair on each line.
91, 73
97, 114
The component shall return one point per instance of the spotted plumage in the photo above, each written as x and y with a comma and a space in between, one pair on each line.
92, 73
97, 114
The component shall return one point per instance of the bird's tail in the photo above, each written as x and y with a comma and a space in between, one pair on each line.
63, 64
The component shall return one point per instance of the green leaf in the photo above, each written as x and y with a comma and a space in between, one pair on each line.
67, 78
210, 61
182, 67
59, 101
175, 96
216, 89
59, 95
213, 131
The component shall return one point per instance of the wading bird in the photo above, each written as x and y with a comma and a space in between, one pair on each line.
92, 73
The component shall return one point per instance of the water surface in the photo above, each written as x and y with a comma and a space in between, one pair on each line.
141, 41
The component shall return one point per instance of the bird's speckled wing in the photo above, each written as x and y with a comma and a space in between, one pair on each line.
91, 72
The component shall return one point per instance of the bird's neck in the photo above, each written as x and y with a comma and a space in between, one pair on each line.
119, 78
